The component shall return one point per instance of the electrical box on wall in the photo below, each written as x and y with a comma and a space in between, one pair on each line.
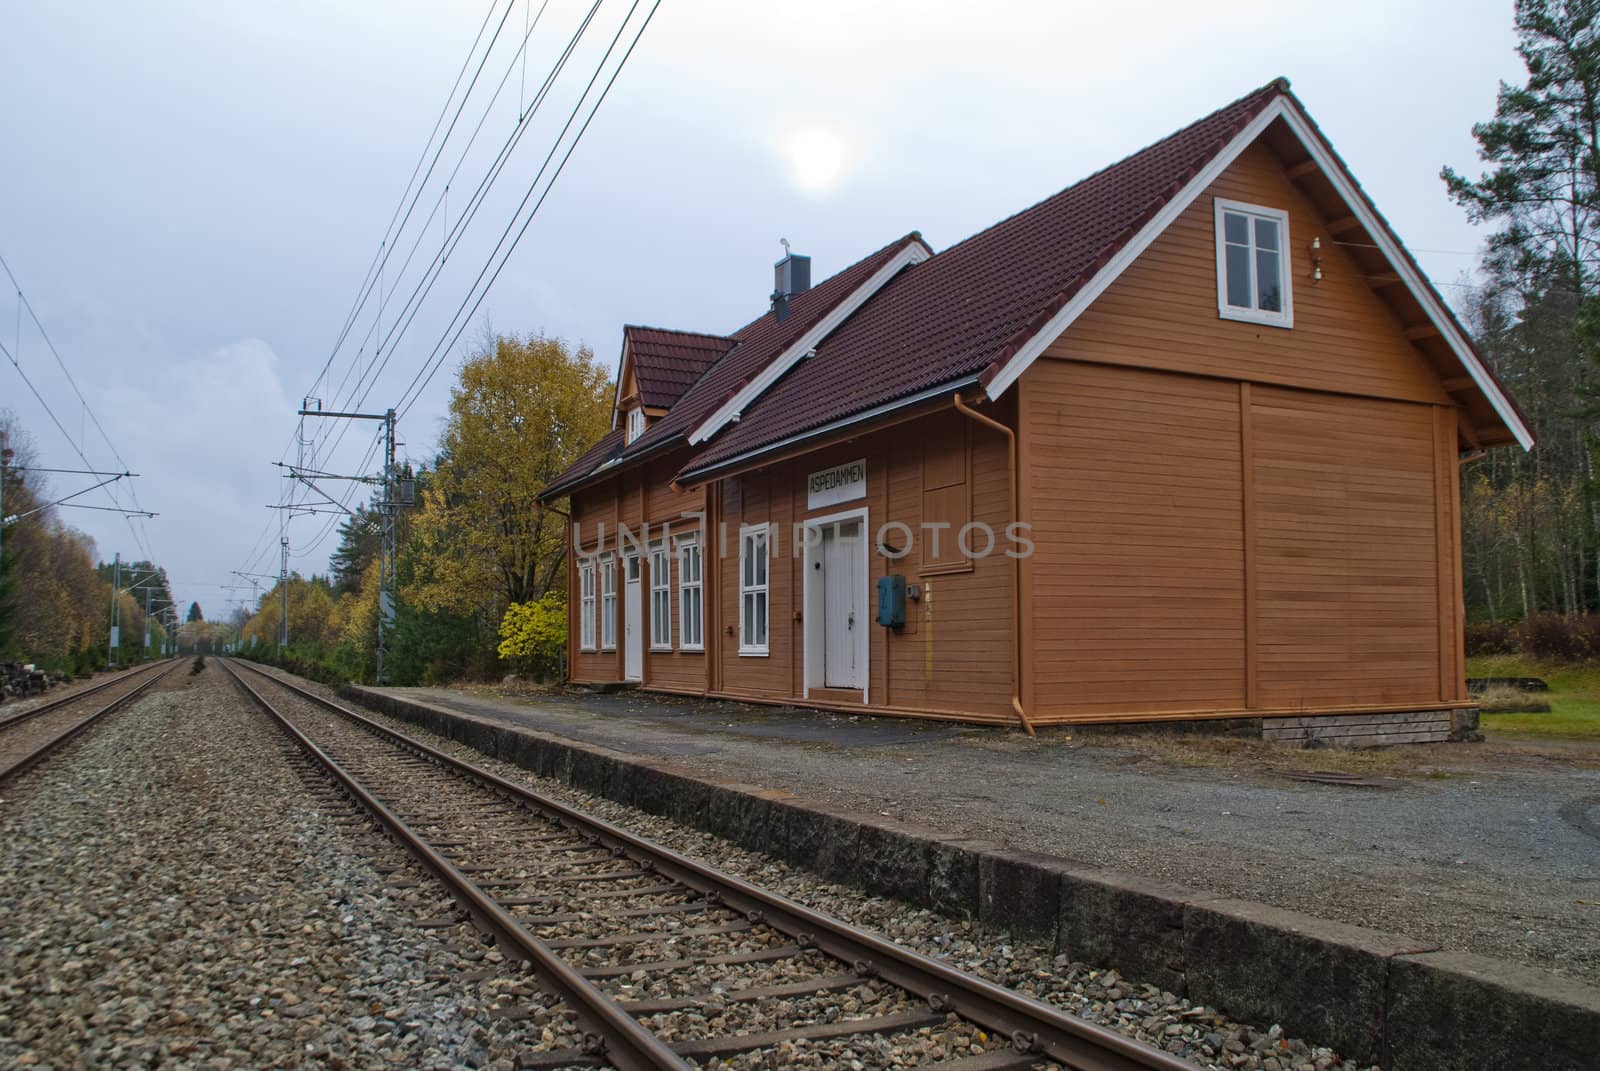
892, 601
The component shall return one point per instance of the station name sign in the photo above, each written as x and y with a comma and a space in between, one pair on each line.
842, 483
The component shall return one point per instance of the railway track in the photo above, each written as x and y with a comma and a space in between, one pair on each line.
665, 961
28, 737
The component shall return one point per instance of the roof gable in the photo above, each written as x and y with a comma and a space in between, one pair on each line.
756, 344
666, 363
1282, 106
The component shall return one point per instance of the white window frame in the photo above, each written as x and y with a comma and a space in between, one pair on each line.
660, 597
691, 620
1284, 318
636, 423
608, 603
750, 537
587, 606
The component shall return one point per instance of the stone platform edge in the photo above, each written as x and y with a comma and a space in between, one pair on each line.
1374, 997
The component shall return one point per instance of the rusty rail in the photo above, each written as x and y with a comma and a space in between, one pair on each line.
56, 704
619, 1038
1035, 1029
43, 751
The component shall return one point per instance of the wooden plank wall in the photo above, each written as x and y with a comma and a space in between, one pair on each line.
1162, 312
1327, 578
1176, 572
1136, 582
1347, 550
954, 656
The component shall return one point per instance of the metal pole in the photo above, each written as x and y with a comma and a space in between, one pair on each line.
386, 556
4, 453
147, 622
283, 586
116, 620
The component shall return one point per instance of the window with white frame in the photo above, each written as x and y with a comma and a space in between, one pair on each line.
608, 604
660, 598
691, 600
586, 606
1253, 264
753, 550
636, 422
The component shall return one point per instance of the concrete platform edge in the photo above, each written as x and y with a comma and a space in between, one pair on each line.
1372, 996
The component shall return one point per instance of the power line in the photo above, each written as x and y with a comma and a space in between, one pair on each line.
375, 267
439, 352
430, 275
364, 289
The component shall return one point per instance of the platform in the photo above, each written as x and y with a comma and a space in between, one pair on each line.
1148, 864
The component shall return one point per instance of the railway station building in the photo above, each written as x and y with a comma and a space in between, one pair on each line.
1181, 441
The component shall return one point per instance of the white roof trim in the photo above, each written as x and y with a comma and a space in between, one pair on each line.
616, 388
1285, 109
731, 410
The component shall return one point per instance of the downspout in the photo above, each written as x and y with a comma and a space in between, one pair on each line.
1016, 563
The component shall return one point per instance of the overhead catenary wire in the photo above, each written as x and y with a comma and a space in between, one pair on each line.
139, 536
260, 546
436, 358
392, 240
431, 273
375, 367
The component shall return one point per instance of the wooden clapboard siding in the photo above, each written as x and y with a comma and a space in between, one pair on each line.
1137, 577
591, 508
1348, 602
1162, 312
955, 653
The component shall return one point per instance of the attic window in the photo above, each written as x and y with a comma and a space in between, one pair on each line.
1253, 264
636, 422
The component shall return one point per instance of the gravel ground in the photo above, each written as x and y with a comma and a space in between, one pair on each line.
1143, 1011
182, 892
1484, 848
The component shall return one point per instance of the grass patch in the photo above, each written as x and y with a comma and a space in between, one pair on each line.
1574, 697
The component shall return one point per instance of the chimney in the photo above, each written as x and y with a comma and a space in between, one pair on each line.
790, 276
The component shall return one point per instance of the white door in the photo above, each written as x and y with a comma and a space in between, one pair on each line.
633, 620
844, 598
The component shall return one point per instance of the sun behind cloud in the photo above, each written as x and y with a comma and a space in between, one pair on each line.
818, 158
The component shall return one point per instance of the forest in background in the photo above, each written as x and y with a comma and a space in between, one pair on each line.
55, 597
1531, 521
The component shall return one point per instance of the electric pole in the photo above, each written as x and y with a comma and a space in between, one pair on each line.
116, 616
388, 510
283, 583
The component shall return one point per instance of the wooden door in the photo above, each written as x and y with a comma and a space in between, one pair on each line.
633, 620
844, 620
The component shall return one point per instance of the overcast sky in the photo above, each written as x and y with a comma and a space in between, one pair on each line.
191, 193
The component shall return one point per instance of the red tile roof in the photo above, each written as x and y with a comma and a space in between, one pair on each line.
667, 363
758, 344
969, 307
609, 446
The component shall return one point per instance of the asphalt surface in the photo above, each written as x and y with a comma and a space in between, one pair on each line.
1480, 848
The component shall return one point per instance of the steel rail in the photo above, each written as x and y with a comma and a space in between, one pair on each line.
1035, 1028
619, 1038
56, 704
43, 751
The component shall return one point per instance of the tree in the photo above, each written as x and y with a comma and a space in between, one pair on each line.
1532, 523
522, 410
194, 613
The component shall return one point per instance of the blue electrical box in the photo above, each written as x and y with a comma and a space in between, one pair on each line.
892, 601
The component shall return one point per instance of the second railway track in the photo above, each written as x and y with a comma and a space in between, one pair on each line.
30, 736
667, 962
